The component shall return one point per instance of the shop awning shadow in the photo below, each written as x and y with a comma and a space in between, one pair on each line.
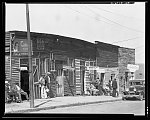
43, 103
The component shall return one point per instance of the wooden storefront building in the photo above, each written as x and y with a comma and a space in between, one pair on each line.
72, 61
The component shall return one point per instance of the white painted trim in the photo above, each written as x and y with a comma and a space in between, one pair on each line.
19, 75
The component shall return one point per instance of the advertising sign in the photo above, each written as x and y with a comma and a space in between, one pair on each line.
20, 47
132, 67
68, 67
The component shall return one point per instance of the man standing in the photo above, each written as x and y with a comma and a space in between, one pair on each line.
42, 87
114, 86
100, 87
47, 80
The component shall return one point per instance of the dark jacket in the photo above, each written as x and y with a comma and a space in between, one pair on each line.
114, 84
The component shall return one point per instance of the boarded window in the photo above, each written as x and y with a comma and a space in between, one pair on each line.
71, 77
82, 63
87, 63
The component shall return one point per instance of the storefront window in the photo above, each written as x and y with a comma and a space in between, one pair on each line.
91, 64
82, 63
87, 63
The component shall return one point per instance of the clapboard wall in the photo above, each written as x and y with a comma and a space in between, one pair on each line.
68, 91
78, 76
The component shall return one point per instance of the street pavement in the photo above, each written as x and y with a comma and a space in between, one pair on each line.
58, 102
134, 107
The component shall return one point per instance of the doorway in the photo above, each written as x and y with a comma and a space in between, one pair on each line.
82, 79
102, 78
24, 82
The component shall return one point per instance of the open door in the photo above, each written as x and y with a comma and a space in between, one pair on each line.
102, 78
82, 79
24, 82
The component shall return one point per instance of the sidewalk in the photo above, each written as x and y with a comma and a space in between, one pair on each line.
66, 101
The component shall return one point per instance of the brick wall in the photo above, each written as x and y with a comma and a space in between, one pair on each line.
107, 55
125, 56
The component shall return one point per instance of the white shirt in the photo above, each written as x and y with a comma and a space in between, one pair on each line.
18, 88
48, 79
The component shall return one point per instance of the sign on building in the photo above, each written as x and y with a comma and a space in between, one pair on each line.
67, 67
20, 47
132, 67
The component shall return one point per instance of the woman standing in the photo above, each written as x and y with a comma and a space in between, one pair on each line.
43, 90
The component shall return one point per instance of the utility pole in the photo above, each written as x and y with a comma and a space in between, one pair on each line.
31, 82
10, 59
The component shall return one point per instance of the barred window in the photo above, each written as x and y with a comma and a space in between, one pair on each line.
82, 63
87, 63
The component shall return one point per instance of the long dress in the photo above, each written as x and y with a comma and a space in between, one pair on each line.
43, 90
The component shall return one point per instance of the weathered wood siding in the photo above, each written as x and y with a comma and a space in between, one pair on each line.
7, 39
78, 76
15, 70
7, 67
67, 90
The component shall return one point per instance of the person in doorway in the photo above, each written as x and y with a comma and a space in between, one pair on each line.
18, 92
43, 87
114, 86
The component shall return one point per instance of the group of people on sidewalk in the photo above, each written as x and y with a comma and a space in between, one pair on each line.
98, 88
45, 86
13, 92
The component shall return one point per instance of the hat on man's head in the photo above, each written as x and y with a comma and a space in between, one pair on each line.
6, 81
48, 73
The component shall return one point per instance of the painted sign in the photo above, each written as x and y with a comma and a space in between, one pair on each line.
68, 67
23, 68
132, 67
20, 47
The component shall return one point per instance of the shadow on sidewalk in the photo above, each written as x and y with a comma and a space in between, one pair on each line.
42, 103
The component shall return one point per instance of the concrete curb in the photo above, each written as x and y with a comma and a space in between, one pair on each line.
61, 106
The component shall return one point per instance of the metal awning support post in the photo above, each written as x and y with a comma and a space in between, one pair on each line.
31, 82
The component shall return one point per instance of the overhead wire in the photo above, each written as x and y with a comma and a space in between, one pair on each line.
102, 21
86, 14
127, 39
115, 13
113, 21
